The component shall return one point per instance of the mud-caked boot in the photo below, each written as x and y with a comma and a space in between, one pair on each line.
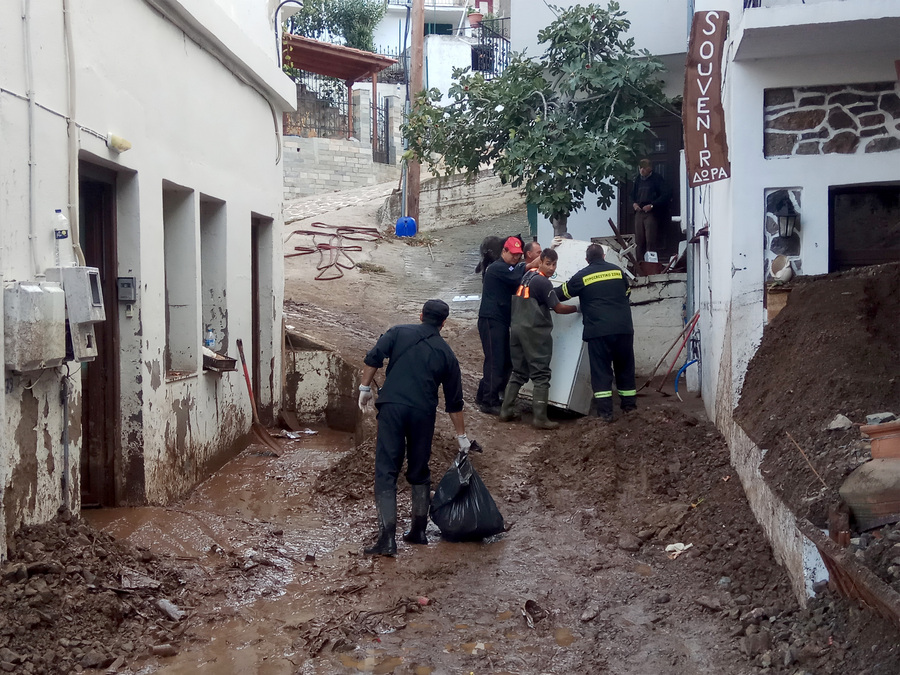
603, 408
539, 418
386, 502
628, 403
508, 409
421, 500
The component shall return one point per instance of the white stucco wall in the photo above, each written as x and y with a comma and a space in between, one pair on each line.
201, 104
443, 53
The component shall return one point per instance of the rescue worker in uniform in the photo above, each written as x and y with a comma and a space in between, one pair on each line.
531, 341
420, 361
501, 279
606, 312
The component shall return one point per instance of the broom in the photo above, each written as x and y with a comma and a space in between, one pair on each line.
257, 430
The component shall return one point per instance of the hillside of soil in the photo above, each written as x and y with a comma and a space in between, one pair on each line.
834, 349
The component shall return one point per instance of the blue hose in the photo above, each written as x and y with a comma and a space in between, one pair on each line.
683, 368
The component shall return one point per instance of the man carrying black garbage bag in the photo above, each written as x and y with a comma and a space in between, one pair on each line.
419, 362
608, 330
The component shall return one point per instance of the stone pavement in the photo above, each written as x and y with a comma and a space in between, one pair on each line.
309, 207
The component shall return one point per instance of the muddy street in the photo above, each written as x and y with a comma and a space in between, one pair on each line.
263, 561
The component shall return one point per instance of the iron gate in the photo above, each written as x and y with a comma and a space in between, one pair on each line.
381, 120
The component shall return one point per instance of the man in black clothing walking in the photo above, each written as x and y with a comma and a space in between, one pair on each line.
500, 282
419, 362
608, 330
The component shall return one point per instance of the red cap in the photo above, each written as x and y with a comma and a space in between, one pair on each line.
513, 245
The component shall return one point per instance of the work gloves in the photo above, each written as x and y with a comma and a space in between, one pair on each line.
366, 398
464, 443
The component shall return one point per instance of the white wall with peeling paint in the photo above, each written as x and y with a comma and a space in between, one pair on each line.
197, 90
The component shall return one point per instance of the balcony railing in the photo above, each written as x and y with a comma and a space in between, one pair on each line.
431, 3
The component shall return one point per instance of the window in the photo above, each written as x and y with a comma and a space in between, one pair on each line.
213, 271
180, 251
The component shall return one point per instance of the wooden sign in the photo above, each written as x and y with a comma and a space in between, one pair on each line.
705, 144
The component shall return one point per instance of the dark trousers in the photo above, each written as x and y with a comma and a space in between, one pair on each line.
647, 234
497, 364
403, 431
612, 354
531, 350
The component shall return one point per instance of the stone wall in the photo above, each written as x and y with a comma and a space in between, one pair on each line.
315, 166
846, 119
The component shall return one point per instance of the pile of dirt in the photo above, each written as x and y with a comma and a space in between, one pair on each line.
834, 349
670, 471
74, 598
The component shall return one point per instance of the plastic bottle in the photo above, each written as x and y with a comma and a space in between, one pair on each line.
64, 254
210, 340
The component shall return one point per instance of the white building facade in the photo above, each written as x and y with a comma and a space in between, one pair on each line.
153, 126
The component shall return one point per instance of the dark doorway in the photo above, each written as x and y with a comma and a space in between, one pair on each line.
662, 146
100, 377
864, 226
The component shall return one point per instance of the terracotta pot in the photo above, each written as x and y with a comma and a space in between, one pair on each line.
475, 19
885, 439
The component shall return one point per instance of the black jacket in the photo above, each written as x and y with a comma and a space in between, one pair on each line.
603, 291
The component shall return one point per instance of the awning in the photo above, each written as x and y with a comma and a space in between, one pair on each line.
345, 63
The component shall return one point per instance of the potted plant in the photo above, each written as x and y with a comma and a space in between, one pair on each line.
475, 17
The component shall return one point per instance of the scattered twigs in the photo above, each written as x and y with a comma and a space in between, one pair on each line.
797, 445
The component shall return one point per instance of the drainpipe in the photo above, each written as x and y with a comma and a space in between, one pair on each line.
73, 136
32, 168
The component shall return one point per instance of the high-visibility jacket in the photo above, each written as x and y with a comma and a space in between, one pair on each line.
603, 291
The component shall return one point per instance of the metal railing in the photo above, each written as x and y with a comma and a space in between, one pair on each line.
490, 55
381, 120
431, 3
750, 4
321, 107
397, 73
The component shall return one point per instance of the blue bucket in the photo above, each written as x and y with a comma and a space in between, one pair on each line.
406, 227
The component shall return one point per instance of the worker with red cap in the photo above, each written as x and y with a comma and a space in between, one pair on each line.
501, 279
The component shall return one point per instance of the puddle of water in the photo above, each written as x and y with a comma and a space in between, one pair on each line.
423, 670
564, 637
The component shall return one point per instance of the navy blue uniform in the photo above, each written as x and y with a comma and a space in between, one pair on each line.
608, 331
419, 362
500, 282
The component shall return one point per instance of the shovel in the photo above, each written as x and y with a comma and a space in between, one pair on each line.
257, 430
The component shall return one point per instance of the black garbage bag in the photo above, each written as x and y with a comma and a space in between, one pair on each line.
462, 507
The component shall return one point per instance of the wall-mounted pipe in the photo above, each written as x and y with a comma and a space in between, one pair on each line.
73, 144
32, 138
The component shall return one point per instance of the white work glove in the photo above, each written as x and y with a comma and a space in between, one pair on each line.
366, 398
464, 443
556, 242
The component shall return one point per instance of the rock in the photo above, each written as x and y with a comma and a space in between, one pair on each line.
759, 643
724, 582
710, 603
115, 665
15, 573
662, 598
92, 659
590, 612
880, 418
164, 650
838, 423
9, 656
669, 515
820, 586
170, 609
742, 600
628, 542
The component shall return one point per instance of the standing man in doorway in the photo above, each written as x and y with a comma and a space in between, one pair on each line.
406, 414
500, 282
531, 340
608, 330
649, 197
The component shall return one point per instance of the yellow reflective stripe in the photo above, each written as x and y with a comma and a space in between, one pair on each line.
565, 290
602, 276
627, 392
603, 394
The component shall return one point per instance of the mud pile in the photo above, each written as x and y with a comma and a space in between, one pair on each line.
661, 476
834, 349
73, 598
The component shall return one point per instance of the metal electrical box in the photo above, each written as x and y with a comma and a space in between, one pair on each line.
84, 307
34, 323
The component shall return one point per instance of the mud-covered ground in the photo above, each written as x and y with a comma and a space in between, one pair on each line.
264, 557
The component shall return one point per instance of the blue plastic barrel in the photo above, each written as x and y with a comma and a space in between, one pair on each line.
406, 227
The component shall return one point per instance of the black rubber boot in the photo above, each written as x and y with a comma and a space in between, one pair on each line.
539, 418
604, 409
421, 500
628, 403
386, 502
508, 409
